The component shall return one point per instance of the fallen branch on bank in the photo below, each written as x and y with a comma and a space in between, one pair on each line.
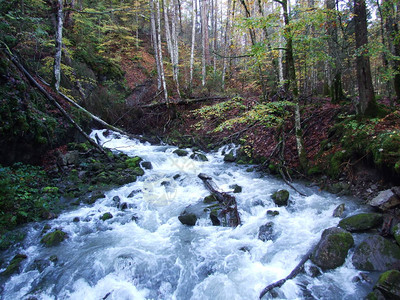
228, 202
183, 102
292, 274
54, 102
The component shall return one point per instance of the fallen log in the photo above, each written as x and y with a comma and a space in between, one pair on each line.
292, 274
183, 101
228, 203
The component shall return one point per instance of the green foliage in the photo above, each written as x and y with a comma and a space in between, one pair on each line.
27, 195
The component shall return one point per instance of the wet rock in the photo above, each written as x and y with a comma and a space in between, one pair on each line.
133, 162
147, 165
188, 219
138, 171
386, 199
116, 200
123, 206
76, 220
361, 222
14, 265
272, 213
176, 176
181, 152
95, 196
236, 188
281, 197
331, 251
389, 284
198, 156
376, 253
54, 238
69, 158
339, 210
214, 218
53, 258
230, 157
266, 232
313, 271
106, 216
39, 264
133, 193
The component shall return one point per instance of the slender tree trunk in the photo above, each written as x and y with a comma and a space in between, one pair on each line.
335, 74
175, 46
366, 103
205, 39
155, 42
227, 39
160, 58
193, 44
57, 57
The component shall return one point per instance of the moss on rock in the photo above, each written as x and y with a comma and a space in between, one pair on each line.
361, 222
54, 238
281, 197
14, 265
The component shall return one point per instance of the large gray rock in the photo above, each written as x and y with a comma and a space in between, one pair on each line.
331, 251
266, 232
188, 219
361, 222
376, 253
386, 199
389, 284
281, 197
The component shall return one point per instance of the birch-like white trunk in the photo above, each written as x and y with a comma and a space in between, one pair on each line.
57, 56
205, 40
164, 84
175, 45
155, 42
226, 43
193, 43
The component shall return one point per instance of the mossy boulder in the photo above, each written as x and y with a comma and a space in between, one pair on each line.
236, 188
230, 157
331, 251
181, 152
95, 196
106, 216
272, 213
199, 157
361, 222
138, 171
14, 265
54, 238
376, 253
133, 162
188, 219
281, 197
389, 284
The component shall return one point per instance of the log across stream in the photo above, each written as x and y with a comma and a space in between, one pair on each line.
144, 252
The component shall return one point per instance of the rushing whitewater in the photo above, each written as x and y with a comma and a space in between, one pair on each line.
144, 252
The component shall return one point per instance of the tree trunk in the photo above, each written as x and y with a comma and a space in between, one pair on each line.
334, 73
175, 46
155, 42
160, 58
193, 44
205, 40
57, 56
227, 39
366, 103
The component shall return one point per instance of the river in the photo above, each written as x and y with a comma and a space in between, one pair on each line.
144, 252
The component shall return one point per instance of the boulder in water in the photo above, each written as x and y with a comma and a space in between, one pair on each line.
281, 197
266, 232
386, 199
236, 188
198, 156
376, 253
54, 238
188, 219
147, 165
181, 152
338, 212
14, 265
389, 284
361, 222
210, 199
106, 216
331, 251
229, 157
396, 233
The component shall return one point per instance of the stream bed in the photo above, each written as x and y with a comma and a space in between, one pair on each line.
144, 252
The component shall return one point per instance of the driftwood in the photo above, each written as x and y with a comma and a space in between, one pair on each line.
183, 101
228, 202
292, 274
53, 101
